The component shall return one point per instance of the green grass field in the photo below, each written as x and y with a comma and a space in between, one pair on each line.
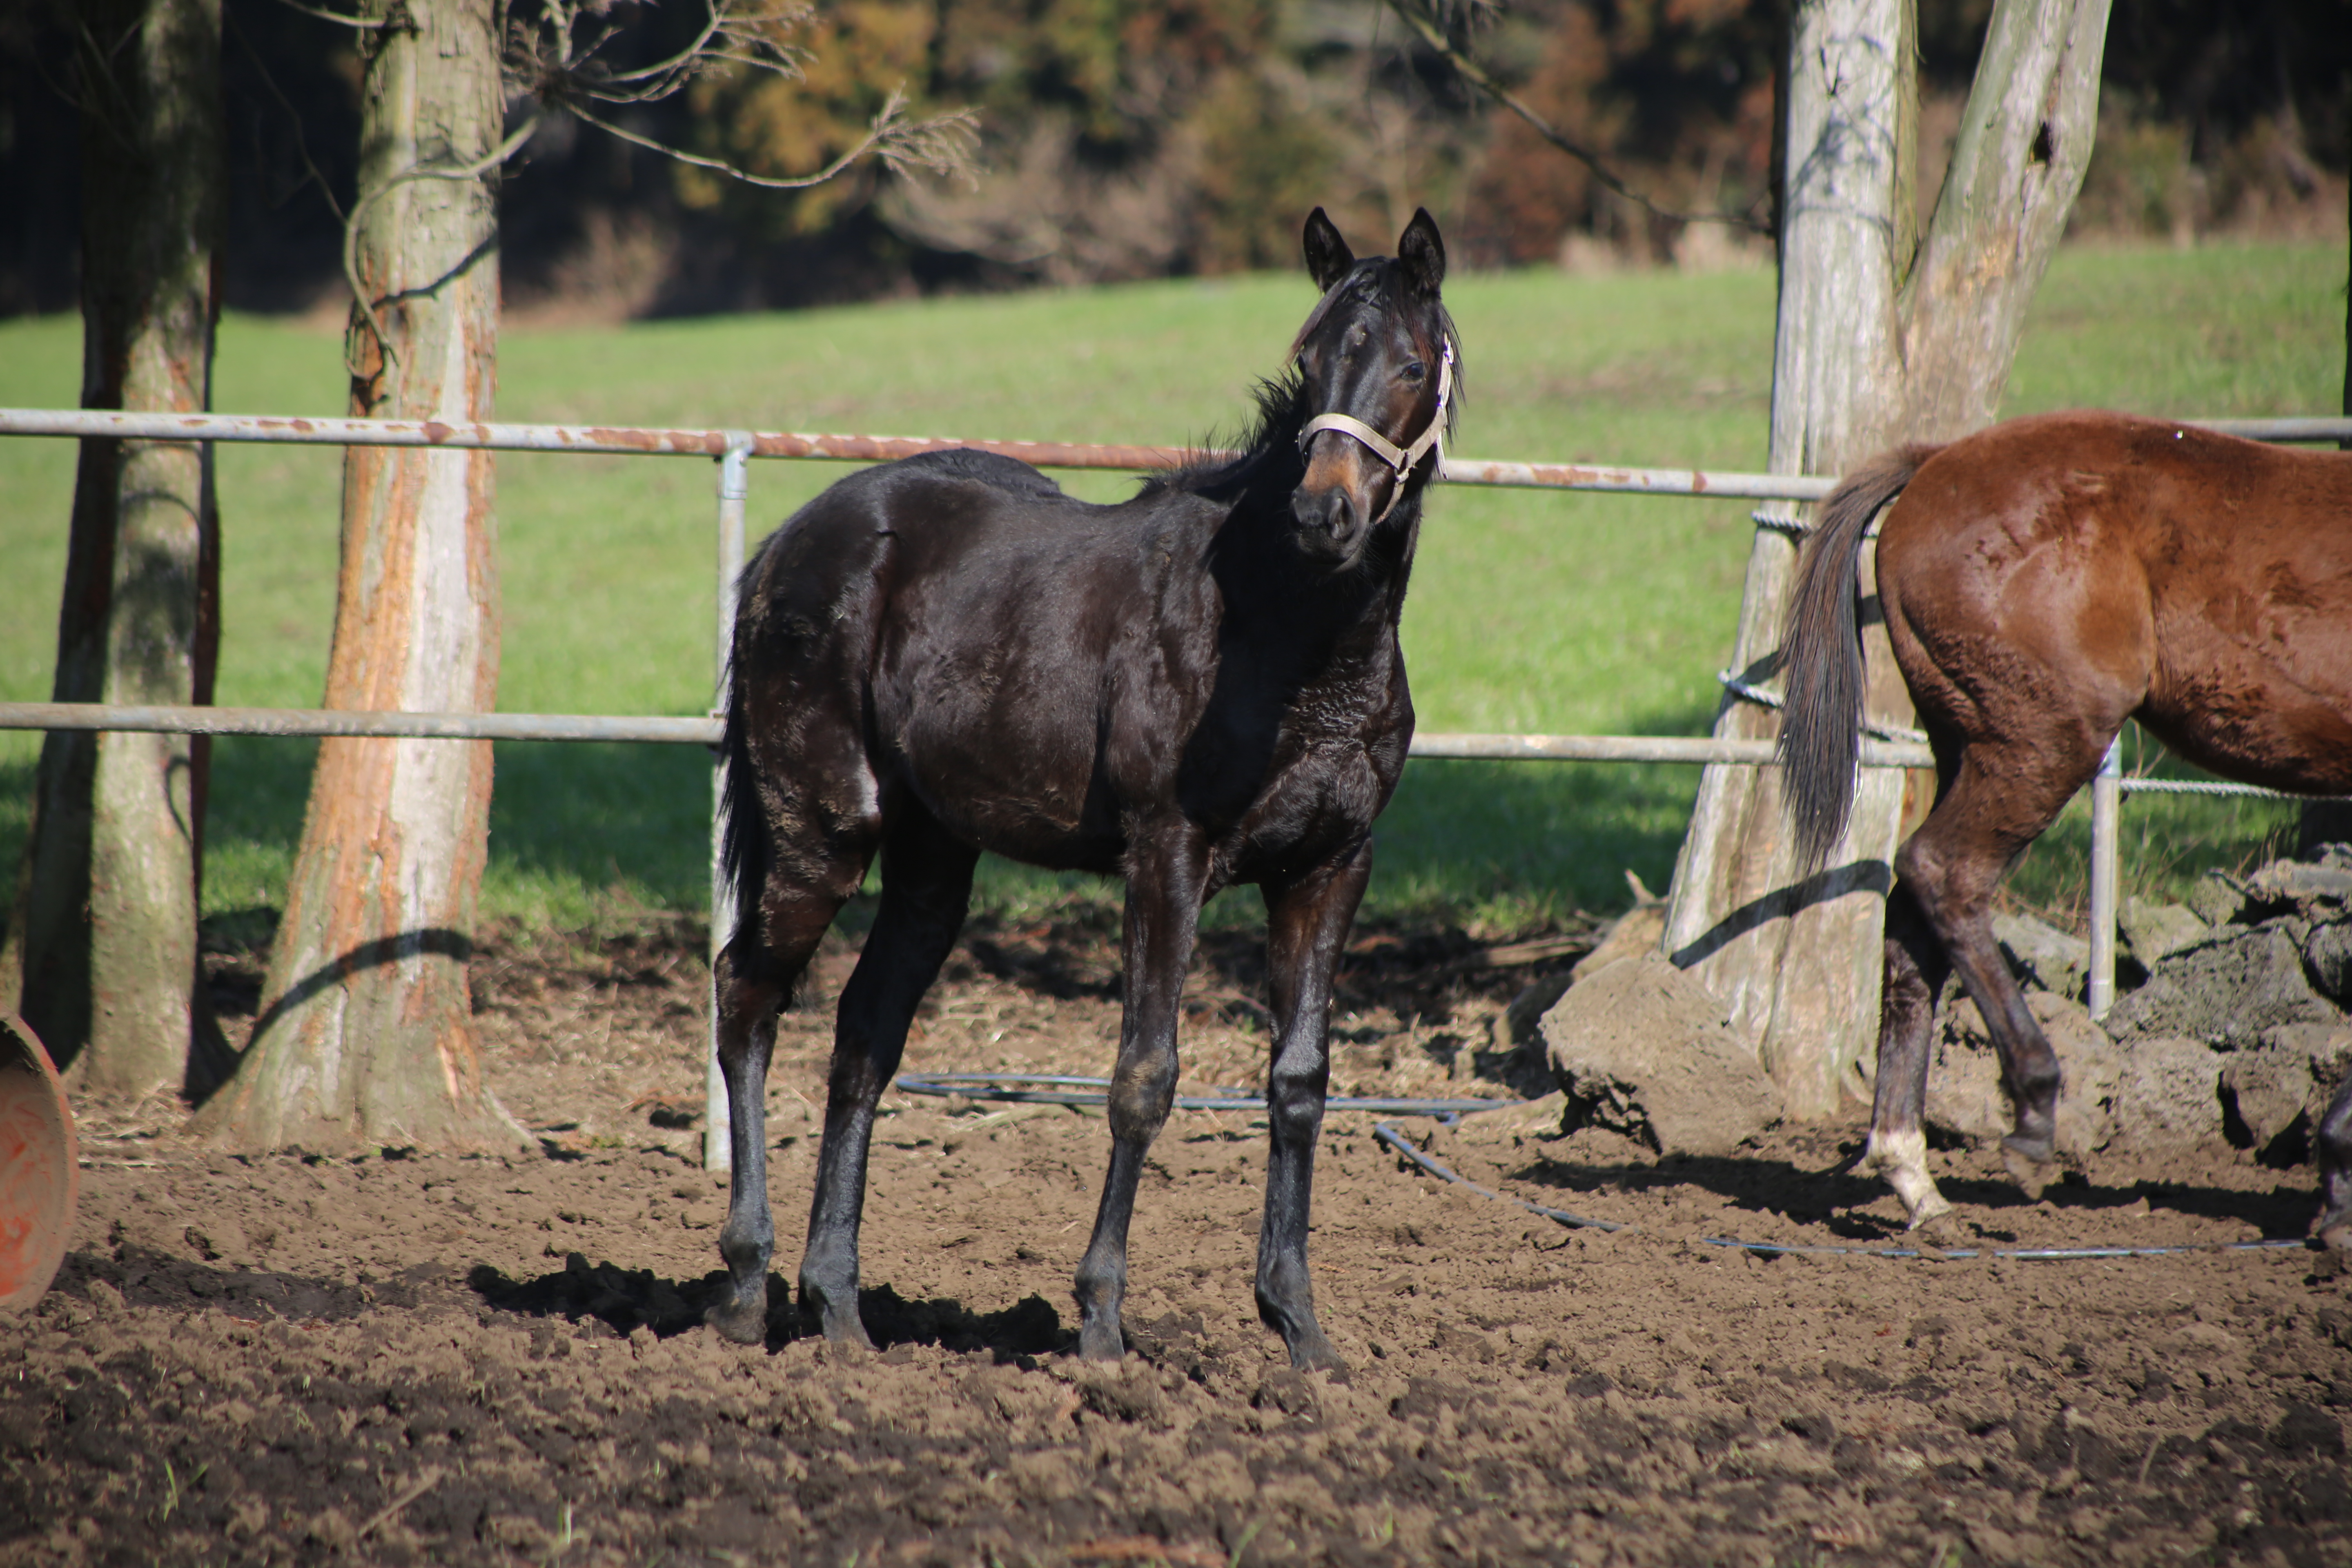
1559, 613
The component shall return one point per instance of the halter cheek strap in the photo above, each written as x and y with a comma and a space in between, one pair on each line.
1401, 461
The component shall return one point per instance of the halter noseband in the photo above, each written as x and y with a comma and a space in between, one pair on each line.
1401, 461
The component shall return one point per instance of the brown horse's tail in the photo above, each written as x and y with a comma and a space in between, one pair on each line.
1821, 658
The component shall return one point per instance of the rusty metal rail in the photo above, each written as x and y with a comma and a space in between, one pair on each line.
625, 441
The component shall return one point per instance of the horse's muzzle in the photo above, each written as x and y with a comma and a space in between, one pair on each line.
1331, 522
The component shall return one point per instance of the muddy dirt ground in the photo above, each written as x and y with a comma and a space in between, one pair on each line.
415, 1358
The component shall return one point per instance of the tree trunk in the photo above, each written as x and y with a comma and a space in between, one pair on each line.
1884, 336
364, 1035
100, 954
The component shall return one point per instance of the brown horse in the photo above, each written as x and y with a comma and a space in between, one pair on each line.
2042, 581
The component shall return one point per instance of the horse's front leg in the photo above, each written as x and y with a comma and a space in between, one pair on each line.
1166, 880
1306, 923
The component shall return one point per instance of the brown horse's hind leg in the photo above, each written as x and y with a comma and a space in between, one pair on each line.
1306, 922
925, 889
2333, 1149
757, 972
1166, 882
1952, 866
1915, 967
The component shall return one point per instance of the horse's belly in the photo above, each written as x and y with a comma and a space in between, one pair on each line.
1002, 781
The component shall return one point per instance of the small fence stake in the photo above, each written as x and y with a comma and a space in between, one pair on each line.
2106, 802
734, 492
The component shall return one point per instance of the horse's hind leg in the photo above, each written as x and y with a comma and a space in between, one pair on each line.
2000, 800
2333, 1149
757, 972
1306, 923
1917, 965
1165, 881
926, 888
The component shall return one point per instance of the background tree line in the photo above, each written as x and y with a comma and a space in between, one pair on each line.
1122, 139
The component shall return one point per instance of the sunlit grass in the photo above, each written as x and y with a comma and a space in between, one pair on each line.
1529, 612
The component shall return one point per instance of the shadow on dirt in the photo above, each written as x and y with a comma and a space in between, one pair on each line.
140, 1277
623, 1300
1834, 1197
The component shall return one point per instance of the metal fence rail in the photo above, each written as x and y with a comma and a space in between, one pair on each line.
734, 448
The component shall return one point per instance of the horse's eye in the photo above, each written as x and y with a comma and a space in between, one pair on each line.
1414, 371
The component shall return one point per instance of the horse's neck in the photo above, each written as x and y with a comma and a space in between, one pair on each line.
1351, 614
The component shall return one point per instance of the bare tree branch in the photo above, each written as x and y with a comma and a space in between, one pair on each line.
550, 58
941, 145
326, 15
1429, 24
473, 170
313, 175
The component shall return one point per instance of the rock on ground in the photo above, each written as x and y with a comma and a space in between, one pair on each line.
2292, 1074
1519, 1027
2156, 931
2168, 1095
1643, 1048
1965, 1098
2226, 992
2043, 956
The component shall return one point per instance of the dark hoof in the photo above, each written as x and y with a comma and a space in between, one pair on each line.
1312, 1352
1101, 1342
744, 1323
839, 1324
1938, 1231
2029, 1161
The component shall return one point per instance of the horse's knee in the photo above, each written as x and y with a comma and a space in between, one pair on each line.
1140, 1098
1294, 1107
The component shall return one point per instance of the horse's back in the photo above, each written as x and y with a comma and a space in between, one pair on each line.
984, 640
2200, 580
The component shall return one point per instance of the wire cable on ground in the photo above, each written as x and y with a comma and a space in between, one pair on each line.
1064, 1090
1403, 1145
1060, 1090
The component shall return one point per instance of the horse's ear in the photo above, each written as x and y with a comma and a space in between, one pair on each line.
1422, 253
1328, 256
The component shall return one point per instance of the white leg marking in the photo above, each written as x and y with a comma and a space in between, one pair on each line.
1902, 1159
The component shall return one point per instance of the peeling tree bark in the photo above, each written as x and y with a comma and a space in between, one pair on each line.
1884, 336
100, 957
364, 1035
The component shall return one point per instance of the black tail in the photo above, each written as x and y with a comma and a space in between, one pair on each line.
1821, 658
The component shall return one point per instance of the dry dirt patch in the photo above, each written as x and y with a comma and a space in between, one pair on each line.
418, 1358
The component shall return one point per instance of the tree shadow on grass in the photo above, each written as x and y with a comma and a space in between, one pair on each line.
600, 815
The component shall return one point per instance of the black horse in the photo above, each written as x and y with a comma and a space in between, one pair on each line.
1198, 688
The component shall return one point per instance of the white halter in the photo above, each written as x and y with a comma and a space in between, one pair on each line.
1401, 461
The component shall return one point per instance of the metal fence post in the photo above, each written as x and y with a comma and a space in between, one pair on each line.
2107, 811
734, 491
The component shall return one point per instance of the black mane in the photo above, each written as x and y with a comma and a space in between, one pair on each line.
1281, 412
1282, 398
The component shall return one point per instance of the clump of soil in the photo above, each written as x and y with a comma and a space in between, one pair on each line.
411, 1358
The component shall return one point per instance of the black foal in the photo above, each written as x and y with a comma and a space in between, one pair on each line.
1198, 688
